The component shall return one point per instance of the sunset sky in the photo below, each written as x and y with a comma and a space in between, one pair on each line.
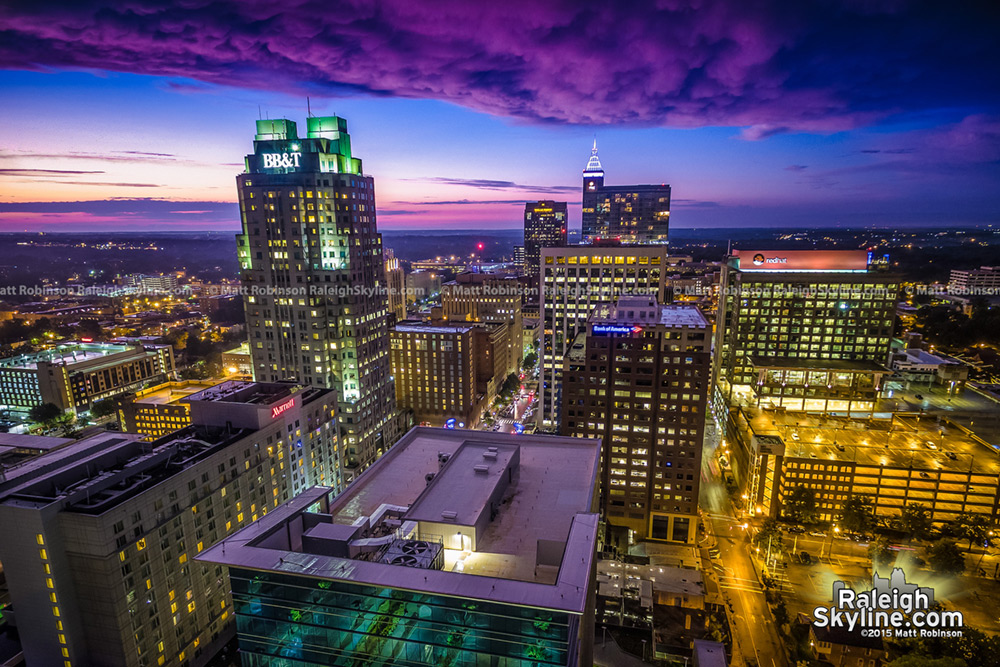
137, 115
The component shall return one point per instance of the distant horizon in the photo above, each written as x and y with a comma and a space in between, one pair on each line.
515, 230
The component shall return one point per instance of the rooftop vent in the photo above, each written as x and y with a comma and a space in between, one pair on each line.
481, 469
448, 515
490, 455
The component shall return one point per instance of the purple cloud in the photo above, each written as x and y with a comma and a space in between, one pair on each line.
769, 67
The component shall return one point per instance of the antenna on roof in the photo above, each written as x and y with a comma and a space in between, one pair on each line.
260, 115
309, 112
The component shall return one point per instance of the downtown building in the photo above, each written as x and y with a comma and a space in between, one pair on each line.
574, 280
638, 379
897, 462
313, 270
100, 535
630, 213
161, 409
492, 299
545, 225
803, 330
395, 285
434, 368
455, 548
74, 376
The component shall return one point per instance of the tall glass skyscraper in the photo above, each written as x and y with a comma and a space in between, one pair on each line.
314, 277
629, 213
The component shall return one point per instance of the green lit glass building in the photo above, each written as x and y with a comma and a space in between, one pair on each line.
314, 277
457, 548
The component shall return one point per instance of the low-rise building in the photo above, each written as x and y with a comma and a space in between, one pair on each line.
900, 461
844, 648
161, 409
238, 361
75, 375
921, 367
454, 548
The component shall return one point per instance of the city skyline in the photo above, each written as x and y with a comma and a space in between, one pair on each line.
826, 116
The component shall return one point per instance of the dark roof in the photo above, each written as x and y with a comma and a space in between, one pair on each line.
846, 638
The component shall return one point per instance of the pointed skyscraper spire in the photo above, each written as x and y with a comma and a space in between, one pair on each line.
594, 167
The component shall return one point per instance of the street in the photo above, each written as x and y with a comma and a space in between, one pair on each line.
733, 574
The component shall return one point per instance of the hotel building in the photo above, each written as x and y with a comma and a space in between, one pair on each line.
574, 280
313, 271
638, 379
631, 213
803, 330
455, 548
434, 369
100, 535
75, 375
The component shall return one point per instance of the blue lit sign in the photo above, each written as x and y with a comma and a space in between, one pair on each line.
614, 329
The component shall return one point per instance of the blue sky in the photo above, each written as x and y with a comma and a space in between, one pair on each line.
754, 141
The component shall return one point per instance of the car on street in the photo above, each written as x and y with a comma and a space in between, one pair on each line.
796, 529
805, 557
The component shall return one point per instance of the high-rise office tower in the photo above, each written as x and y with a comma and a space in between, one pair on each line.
574, 280
638, 378
100, 535
631, 213
395, 285
544, 227
803, 330
312, 265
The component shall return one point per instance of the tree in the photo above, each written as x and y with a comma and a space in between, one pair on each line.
102, 408
511, 384
769, 532
946, 558
879, 552
44, 413
858, 515
972, 527
89, 329
917, 660
915, 521
530, 360
800, 505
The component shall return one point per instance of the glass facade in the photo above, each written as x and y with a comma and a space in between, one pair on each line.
292, 621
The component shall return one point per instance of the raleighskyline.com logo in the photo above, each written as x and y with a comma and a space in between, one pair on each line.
891, 608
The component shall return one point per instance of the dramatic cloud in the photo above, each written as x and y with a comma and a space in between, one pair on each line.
44, 173
124, 206
777, 66
486, 184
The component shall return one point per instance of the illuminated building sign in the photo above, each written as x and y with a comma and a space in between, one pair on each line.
803, 261
281, 160
615, 329
278, 410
